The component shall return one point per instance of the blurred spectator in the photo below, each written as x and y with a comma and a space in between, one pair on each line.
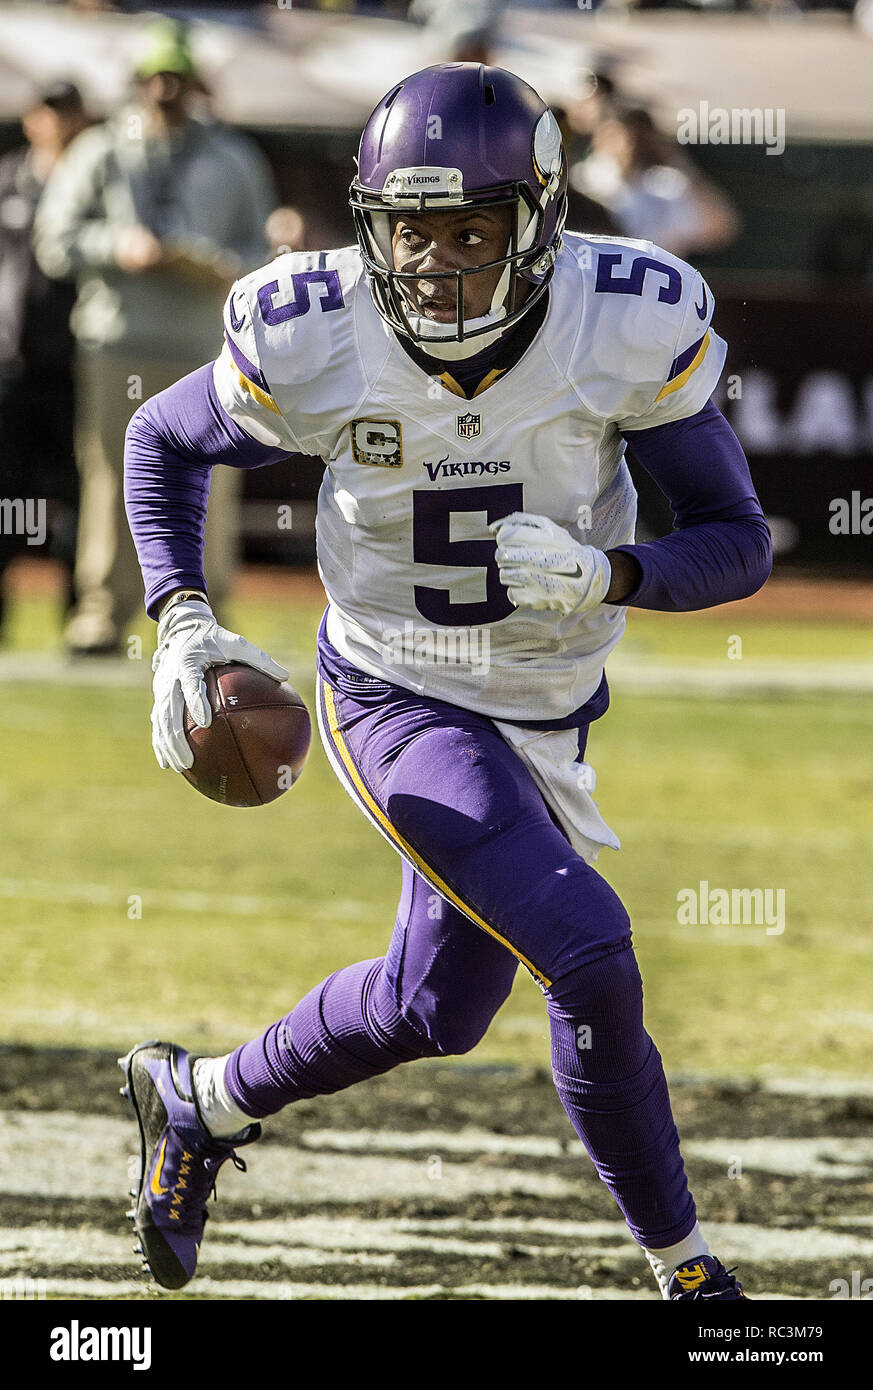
36, 345
632, 171
466, 29
584, 214
286, 231
154, 213
595, 99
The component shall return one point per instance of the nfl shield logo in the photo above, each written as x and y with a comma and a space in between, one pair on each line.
468, 425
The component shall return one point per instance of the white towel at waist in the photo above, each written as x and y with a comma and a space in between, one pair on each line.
565, 784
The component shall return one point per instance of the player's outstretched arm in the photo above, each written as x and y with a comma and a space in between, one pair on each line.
721, 549
172, 443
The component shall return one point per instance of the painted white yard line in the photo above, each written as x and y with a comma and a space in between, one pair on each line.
815, 1085
744, 1241
52, 668
749, 835
230, 904
109, 672
281, 1291
432, 1141
411, 1233
293, 1292
71, 1155
24, 1246
846, 1018
368, 1243
42, 1151
815, 1158
725, 680
313, 1240
104, 895
629, 673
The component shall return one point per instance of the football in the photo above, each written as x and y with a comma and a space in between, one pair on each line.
257, 743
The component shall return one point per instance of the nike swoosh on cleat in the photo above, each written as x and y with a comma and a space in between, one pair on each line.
155, 1184
701, 308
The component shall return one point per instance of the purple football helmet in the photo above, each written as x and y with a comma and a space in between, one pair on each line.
454, 136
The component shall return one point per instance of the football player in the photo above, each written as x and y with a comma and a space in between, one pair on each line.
471, 376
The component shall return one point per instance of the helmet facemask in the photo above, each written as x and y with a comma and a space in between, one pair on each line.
526, 260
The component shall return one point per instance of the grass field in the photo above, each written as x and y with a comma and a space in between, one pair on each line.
242, 912
132, 907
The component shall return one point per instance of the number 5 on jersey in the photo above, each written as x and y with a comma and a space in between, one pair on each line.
432, 545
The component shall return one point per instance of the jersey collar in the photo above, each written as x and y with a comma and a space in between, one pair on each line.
473, 375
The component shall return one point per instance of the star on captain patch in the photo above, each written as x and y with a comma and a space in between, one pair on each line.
469, 425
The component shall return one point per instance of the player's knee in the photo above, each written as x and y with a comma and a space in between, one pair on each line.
453, 1031
579, 916
439, 1033
455, 1036
608, 985
596, 1020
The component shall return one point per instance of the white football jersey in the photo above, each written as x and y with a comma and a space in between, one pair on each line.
415, 471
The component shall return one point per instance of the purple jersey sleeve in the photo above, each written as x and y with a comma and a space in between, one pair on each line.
721, 549
171, 445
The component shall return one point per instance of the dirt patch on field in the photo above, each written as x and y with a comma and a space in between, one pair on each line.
501, 1215
509, 1101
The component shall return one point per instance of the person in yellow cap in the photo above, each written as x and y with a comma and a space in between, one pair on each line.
166, 48
154, 213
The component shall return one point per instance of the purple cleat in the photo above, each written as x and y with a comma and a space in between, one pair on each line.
703, 1277
179, 1160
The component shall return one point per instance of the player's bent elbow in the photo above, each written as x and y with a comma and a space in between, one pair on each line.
139, 427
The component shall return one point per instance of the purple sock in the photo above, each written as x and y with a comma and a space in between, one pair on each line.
611, 1082
346, 1029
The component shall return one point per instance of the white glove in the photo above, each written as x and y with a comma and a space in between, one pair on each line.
189, 641
541, 566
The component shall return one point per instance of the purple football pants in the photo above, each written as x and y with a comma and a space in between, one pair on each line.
488, 880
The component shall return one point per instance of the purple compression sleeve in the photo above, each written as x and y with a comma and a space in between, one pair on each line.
721, 548
171, 444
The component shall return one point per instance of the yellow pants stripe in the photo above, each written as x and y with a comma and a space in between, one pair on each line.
379, 815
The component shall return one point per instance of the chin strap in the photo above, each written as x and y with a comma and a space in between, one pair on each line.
449, 349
